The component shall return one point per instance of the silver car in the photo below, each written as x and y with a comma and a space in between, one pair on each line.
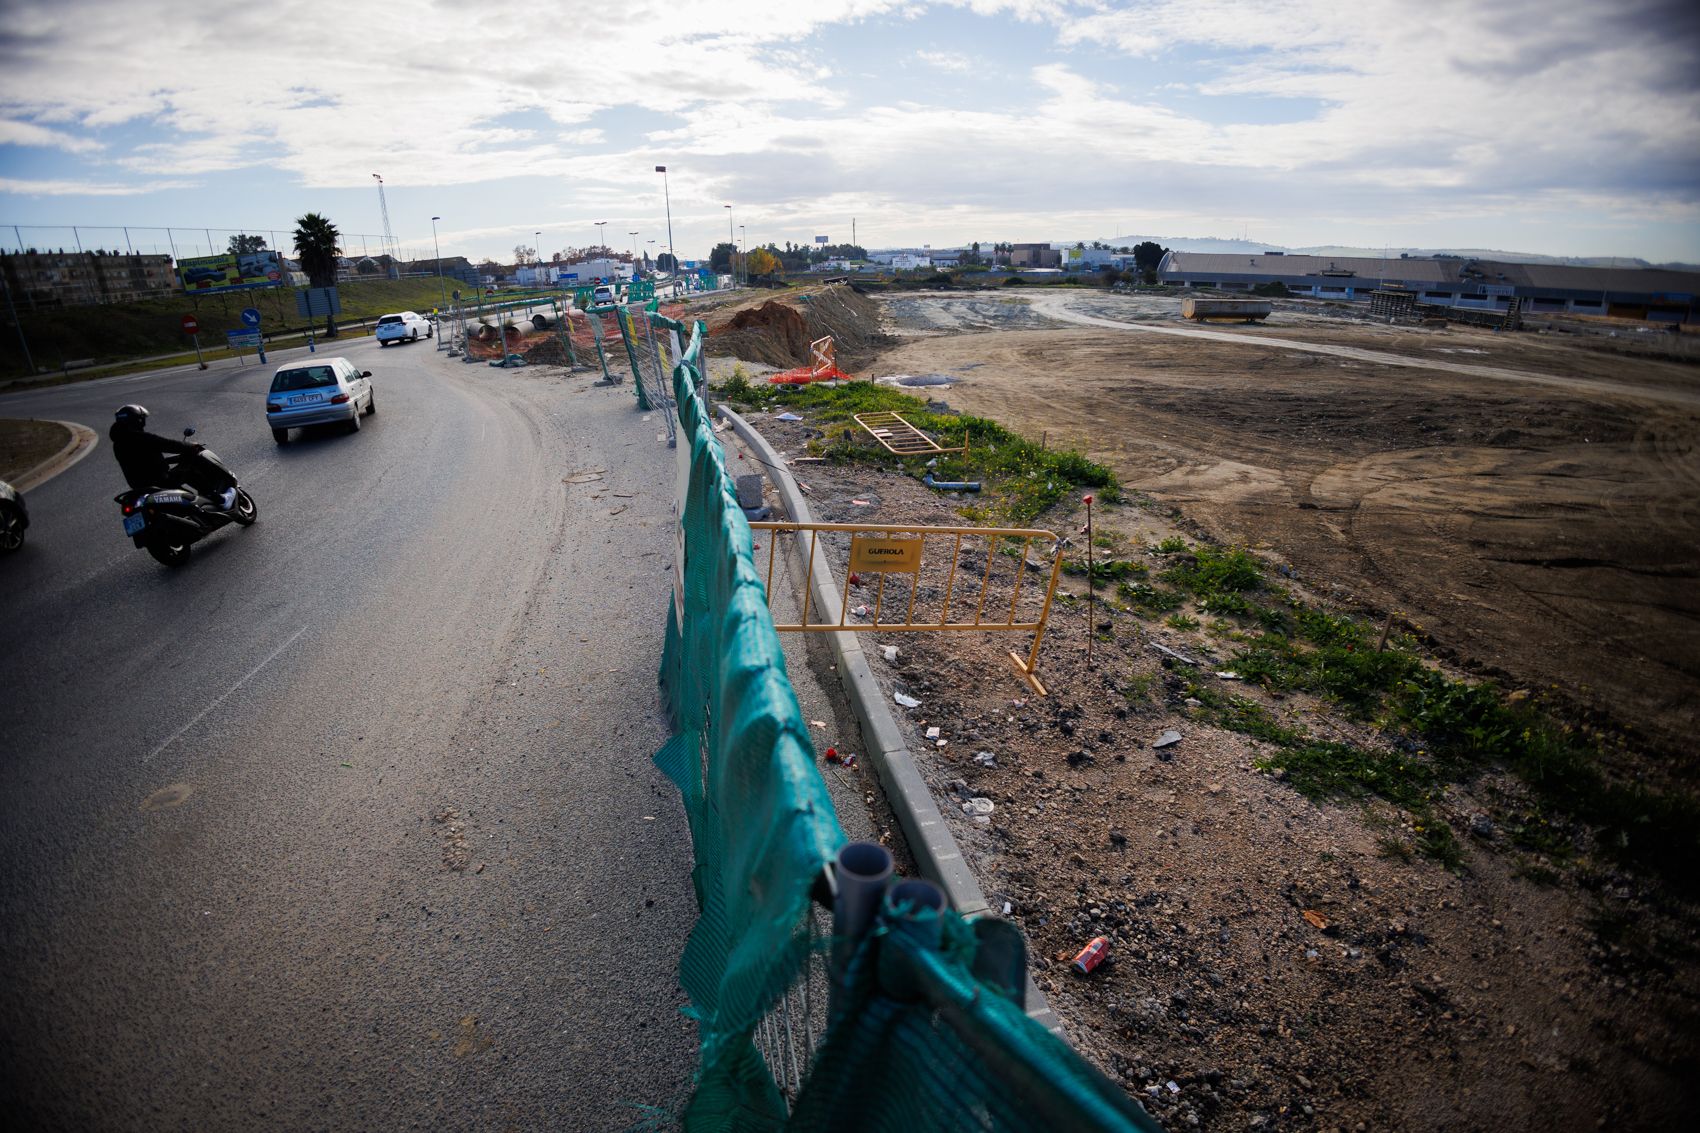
325, 392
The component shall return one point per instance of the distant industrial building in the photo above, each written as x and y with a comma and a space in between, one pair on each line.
1482, 285
457, 268
1097, 259
76, 279
1034, 256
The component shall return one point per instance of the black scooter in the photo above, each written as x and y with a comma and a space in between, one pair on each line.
167, 521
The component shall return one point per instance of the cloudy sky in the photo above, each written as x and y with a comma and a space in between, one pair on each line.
1555, 126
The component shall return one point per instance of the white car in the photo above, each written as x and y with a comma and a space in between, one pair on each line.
603, 296
404, 324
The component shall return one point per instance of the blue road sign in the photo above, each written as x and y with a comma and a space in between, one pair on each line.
317, 301
250, 316
243, 337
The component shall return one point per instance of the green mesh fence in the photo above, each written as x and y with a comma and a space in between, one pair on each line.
917, 1041
762, 824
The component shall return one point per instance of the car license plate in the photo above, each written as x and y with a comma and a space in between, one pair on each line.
134, 523
301, 397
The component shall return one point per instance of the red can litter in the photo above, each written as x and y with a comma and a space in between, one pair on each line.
1092, 955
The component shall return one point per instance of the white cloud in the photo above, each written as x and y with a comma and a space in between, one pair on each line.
13, 133
1384, 111
945, 60
87, 188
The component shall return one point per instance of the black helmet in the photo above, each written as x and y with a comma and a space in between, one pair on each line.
132, 417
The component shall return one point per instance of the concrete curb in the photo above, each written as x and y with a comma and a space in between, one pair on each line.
82, 442
937, 854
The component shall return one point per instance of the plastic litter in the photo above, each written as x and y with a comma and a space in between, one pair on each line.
979, 806
859, 611
890, 652
1167, 652
905, 700
950, 485
932, 733
1229, 675
787, 417
985, 759
1167, 739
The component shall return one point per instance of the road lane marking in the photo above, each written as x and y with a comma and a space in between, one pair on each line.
252, 673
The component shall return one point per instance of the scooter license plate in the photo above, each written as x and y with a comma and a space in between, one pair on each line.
133, 524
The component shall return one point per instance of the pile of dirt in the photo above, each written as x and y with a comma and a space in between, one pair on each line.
1276, 963
778, 331
774, 333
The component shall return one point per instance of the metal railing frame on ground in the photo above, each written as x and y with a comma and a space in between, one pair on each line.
923, 1027
649, 373
899, 534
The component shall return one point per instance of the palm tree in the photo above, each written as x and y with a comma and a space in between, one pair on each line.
317, 248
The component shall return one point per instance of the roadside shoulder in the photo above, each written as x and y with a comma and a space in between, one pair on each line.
43, 449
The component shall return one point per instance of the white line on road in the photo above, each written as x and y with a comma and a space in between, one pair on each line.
252, 673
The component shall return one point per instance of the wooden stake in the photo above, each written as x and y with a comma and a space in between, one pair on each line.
1091, 587
1386, 628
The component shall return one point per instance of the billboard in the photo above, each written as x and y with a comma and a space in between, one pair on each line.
820, 239
229, 272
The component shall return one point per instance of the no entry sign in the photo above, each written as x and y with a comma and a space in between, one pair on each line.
190, 326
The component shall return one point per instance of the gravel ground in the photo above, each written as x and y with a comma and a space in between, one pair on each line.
1274, 965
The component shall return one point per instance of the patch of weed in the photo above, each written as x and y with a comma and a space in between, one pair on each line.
1139, 688
1320, 769
1358, 680
1106, 570
1237, 714
1217, 570
1021, 478
1394, 848
1174, 544
1322, 628
1436, 840
1181, 621
1151, 599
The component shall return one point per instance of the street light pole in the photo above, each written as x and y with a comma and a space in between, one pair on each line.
634, 235
442, 296
732, 256
744, 247
668, 196
601, 240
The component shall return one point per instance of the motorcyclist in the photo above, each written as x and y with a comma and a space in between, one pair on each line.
142, 456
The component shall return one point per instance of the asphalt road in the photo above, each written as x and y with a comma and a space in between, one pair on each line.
349, 823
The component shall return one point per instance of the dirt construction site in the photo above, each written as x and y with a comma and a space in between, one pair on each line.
1517, 507
1529, 501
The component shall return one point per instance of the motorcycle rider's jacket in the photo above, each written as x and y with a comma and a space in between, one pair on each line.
141, 456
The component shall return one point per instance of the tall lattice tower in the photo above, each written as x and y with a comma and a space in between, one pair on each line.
389, 237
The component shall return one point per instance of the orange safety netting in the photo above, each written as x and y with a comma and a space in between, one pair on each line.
821, 367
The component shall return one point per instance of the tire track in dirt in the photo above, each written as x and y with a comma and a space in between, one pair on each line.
1058, 307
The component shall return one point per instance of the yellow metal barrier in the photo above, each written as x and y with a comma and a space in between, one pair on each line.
881, 549
899, 437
